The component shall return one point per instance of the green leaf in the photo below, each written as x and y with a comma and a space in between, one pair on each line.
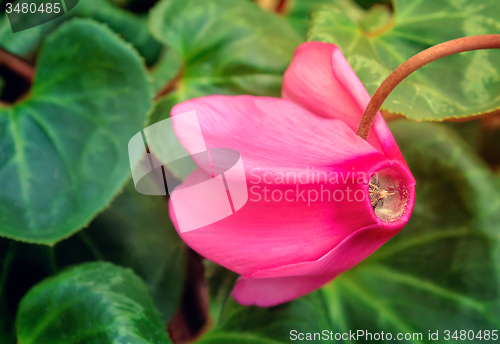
90, 303
134, 232
454, 87
64, 146
220, 282
253, 325
227, 46
237, 324
441, 272
131, 27
297, 12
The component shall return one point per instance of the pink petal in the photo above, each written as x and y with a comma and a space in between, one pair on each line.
266, 288
320, 79
270, 287
274, 233
356, 246
267, 292
277, 136
351, 251
273, 134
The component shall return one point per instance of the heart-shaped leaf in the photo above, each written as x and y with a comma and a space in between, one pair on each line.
457, 86
90, 303
63, 148
441, 272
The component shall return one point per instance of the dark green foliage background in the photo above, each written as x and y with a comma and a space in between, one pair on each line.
84, 258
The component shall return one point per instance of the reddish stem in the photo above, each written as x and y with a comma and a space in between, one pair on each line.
436, 52
17, 65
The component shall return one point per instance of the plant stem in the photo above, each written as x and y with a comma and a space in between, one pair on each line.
17, 65
436, 52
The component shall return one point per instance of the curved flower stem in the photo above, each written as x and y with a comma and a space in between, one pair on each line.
421, 59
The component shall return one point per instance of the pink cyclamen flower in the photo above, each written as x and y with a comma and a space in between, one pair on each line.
300, 234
